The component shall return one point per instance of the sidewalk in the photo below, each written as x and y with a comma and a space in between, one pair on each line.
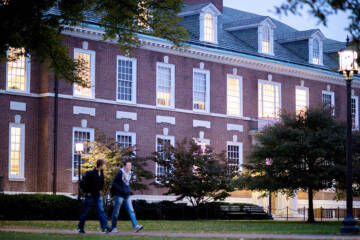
192, 235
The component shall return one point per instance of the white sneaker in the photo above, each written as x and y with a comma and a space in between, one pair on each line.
138, 228
115, 230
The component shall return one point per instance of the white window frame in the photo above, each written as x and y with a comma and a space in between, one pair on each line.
172, 143
21, 176
214, 15
280, 97
241, 153
92, 72
28, 75
130, 134
240, 78
307, 95
172, 77
260, 38
332, 99
357, 112
92, 138
311, 45
134, 85
207, 104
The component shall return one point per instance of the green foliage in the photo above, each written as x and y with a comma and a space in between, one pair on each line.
27, 25
322, 9
193, 173
304, 152
114, 156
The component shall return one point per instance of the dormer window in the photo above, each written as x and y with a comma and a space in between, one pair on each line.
316, 52
265, 40
208, 28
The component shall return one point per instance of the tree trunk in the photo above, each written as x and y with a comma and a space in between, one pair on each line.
311, 218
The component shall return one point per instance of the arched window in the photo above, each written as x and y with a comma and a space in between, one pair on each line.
266, 40
316, 52
209, 28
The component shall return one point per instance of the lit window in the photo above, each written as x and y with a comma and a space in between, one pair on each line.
16, 151
125, 139
201, 90
85, 136
87, 74
126, 79
208, 28
165, 84
266, 40
18, 71
302, 99
161, 143
328, 99
234, 91
234, 157
269, 99
354, 112
316, 52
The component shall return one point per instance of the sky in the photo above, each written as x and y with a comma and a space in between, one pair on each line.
334, 30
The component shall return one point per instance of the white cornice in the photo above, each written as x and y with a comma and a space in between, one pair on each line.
219, 56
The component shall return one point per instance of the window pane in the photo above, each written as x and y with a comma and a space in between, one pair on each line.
16, 70
200, 91
125, 80
208, 28
316, 52
124, 141
164, 86
85, 74
15, 150
354, 112
160, 147
269, 101
233, 96
301, 100
82, 137
266, 40
233, 158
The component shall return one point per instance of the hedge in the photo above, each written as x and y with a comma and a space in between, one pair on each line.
58, 207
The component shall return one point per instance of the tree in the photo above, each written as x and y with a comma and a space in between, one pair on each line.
114, 156
322, 9
36, 27
193, 172
304, 152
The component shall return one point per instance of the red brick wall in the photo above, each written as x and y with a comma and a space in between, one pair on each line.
218, 3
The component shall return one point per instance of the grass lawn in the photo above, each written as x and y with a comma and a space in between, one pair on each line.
276, 227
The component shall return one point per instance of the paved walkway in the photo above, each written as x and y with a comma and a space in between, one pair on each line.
192, 235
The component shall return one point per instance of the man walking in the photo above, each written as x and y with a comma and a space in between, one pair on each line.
92, 184
121, 191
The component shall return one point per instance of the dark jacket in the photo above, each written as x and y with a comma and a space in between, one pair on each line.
120, 187
93, 182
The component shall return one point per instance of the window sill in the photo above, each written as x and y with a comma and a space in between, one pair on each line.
164, 107
200, 111
83, 96
16, 179
126, 102
17, 91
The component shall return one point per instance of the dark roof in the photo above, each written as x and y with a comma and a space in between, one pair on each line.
295, 36
244, 22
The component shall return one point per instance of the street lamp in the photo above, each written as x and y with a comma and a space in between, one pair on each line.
268, 162
348, 66
79, 148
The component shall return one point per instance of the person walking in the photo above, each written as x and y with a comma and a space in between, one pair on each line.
121, 191
92, 185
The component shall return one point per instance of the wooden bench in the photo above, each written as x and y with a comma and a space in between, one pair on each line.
236, 211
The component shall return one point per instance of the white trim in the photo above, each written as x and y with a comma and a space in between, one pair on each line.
21, 176
201, 123
126, 115
172, 82
202, 27
271, 26
134, 82
280, 95
202, 140
240, 78
123, 133
28, 75
84, 110
208, 88
357, 112
92, 71
307, 95
234, 127
165, 119
319, 37
115, 103
18, 106
172, 143
92, 137
240, 145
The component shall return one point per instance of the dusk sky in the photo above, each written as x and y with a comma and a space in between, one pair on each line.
334, 30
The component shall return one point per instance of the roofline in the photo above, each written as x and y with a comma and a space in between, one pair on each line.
210, 5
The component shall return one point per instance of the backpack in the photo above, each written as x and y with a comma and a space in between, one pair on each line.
84, 182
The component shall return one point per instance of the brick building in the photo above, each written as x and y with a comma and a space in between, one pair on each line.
238, 73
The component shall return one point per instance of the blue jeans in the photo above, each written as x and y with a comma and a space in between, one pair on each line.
129, 208
89, 201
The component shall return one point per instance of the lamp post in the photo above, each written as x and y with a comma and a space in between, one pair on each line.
268, 162
79, 148
348, 66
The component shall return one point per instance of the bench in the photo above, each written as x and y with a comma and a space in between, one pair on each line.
243, 212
